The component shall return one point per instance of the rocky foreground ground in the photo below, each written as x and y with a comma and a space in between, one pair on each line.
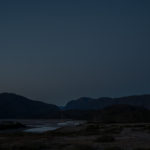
88, 136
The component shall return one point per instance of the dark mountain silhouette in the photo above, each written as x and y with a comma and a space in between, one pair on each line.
119, 113
122, 113
100, 103
124, 109
16, 106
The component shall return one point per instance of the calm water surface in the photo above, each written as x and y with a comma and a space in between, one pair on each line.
43, 125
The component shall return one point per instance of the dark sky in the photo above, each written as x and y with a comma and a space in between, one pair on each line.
59, 50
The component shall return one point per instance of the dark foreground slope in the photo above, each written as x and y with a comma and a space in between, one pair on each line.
120, 113
15, 106
123, 114
88, 136
100, 103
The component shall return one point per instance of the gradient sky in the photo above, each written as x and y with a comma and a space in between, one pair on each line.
56, 51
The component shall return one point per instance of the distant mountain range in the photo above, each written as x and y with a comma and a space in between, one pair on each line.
124, 109
16, 106
86, 103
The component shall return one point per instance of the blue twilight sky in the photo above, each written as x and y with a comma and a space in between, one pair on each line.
56, 51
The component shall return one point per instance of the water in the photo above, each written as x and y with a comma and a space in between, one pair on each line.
49, 126
43, 125
41, 129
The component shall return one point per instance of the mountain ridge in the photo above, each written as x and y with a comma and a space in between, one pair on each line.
15, 106
100, 103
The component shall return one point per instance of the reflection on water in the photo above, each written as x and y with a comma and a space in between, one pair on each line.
43, 125
51, 127
41, 129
